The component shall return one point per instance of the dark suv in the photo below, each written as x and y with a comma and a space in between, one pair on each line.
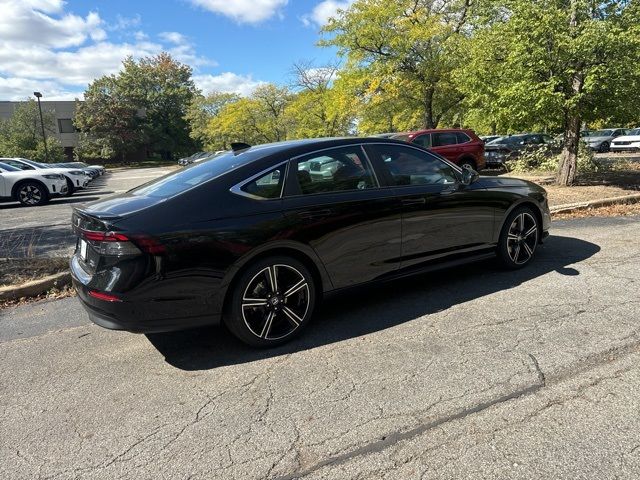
462, 147
506, 148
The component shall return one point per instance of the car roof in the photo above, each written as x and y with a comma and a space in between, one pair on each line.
434, 130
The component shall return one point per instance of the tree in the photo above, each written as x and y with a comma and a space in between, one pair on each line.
318, 109
556, 63
21, 135
109, 121
201, 111
164, 89
408, 50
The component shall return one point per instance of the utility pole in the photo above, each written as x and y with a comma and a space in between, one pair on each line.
44, 136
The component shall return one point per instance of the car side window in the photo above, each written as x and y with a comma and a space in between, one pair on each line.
335, 170
444, 138
19, 165
423, 140
409, 166
267, 186
462, 137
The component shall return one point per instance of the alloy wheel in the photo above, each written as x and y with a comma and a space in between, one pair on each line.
275, 302
522, 238
30, 195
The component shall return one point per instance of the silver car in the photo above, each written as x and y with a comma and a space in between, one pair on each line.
600, 140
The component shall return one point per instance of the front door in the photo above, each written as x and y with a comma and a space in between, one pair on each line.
440, 216
352, 223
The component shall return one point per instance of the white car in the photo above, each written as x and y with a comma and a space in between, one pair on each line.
76, 179
30, 187
630, 141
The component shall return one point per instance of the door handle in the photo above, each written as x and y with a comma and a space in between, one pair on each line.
414, 201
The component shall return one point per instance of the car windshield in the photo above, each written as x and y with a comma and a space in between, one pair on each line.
598, 133
513, 139
35, 164
9, 168
195, 174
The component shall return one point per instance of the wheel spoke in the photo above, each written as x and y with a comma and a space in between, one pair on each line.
531, 231
528, 249
273, 278
292, 316
512, 236
267, 325
297, 287
516, 253
521, 222
254, 302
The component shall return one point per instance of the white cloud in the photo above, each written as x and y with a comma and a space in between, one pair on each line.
22, 21
324, 10
243, 11
173, 37
227, 82
61, 63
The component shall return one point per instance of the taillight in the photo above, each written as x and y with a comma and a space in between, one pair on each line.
119, 244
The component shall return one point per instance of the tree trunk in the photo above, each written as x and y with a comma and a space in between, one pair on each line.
569, 159
428, 109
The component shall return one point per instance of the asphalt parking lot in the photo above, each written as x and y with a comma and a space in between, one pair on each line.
473, 373
45, 231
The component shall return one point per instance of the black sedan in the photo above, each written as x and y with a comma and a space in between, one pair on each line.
256, 236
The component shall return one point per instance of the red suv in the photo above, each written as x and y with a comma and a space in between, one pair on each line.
462, 147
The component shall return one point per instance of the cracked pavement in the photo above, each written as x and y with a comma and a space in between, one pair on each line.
469, 373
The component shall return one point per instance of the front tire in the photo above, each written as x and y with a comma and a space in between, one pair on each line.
466, 163
32, 194
272, 302
518, 239
604, 147
70, 188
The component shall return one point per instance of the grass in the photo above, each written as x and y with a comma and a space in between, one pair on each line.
148, 163
15, 271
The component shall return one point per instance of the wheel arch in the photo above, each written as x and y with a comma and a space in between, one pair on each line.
19, 183
298, 251
525, 202
469, 158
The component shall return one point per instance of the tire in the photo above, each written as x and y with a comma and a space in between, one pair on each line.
466, 163
271, 317
70, 188
32, 194
517, 243
604, 147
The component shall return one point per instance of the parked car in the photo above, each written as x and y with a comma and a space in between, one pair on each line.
273, 239
191, 158
99, 168
600, 140
489, 138
92, 172
628, 142
509, 147
76, 179
383, 135
30, 188
462, 147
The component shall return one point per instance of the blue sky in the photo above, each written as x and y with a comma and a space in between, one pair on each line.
233, 45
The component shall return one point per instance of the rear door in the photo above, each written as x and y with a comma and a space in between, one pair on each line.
335, 203
446, 144
440, 216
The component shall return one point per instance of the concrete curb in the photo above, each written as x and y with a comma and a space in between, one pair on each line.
570, 207
35, 287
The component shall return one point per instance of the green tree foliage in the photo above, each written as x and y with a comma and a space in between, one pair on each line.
201, 111
144, 104
21, 135
408, 49
109, 120
163, 88
555, 64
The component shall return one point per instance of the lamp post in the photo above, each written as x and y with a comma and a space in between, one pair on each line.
44, 136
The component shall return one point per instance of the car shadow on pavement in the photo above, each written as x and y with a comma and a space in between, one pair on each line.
362, 311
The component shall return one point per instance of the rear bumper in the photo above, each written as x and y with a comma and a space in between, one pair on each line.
133, 315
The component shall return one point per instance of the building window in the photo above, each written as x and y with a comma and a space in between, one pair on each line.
65, 125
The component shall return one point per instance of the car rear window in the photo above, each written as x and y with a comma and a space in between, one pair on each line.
462, 137
195, 174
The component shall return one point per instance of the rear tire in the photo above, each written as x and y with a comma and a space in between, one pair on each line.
32, 194
518, 239
466, 163
271, 303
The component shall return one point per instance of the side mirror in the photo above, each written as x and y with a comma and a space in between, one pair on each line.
469, 175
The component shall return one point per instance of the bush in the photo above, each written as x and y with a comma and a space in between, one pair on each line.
546, 159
